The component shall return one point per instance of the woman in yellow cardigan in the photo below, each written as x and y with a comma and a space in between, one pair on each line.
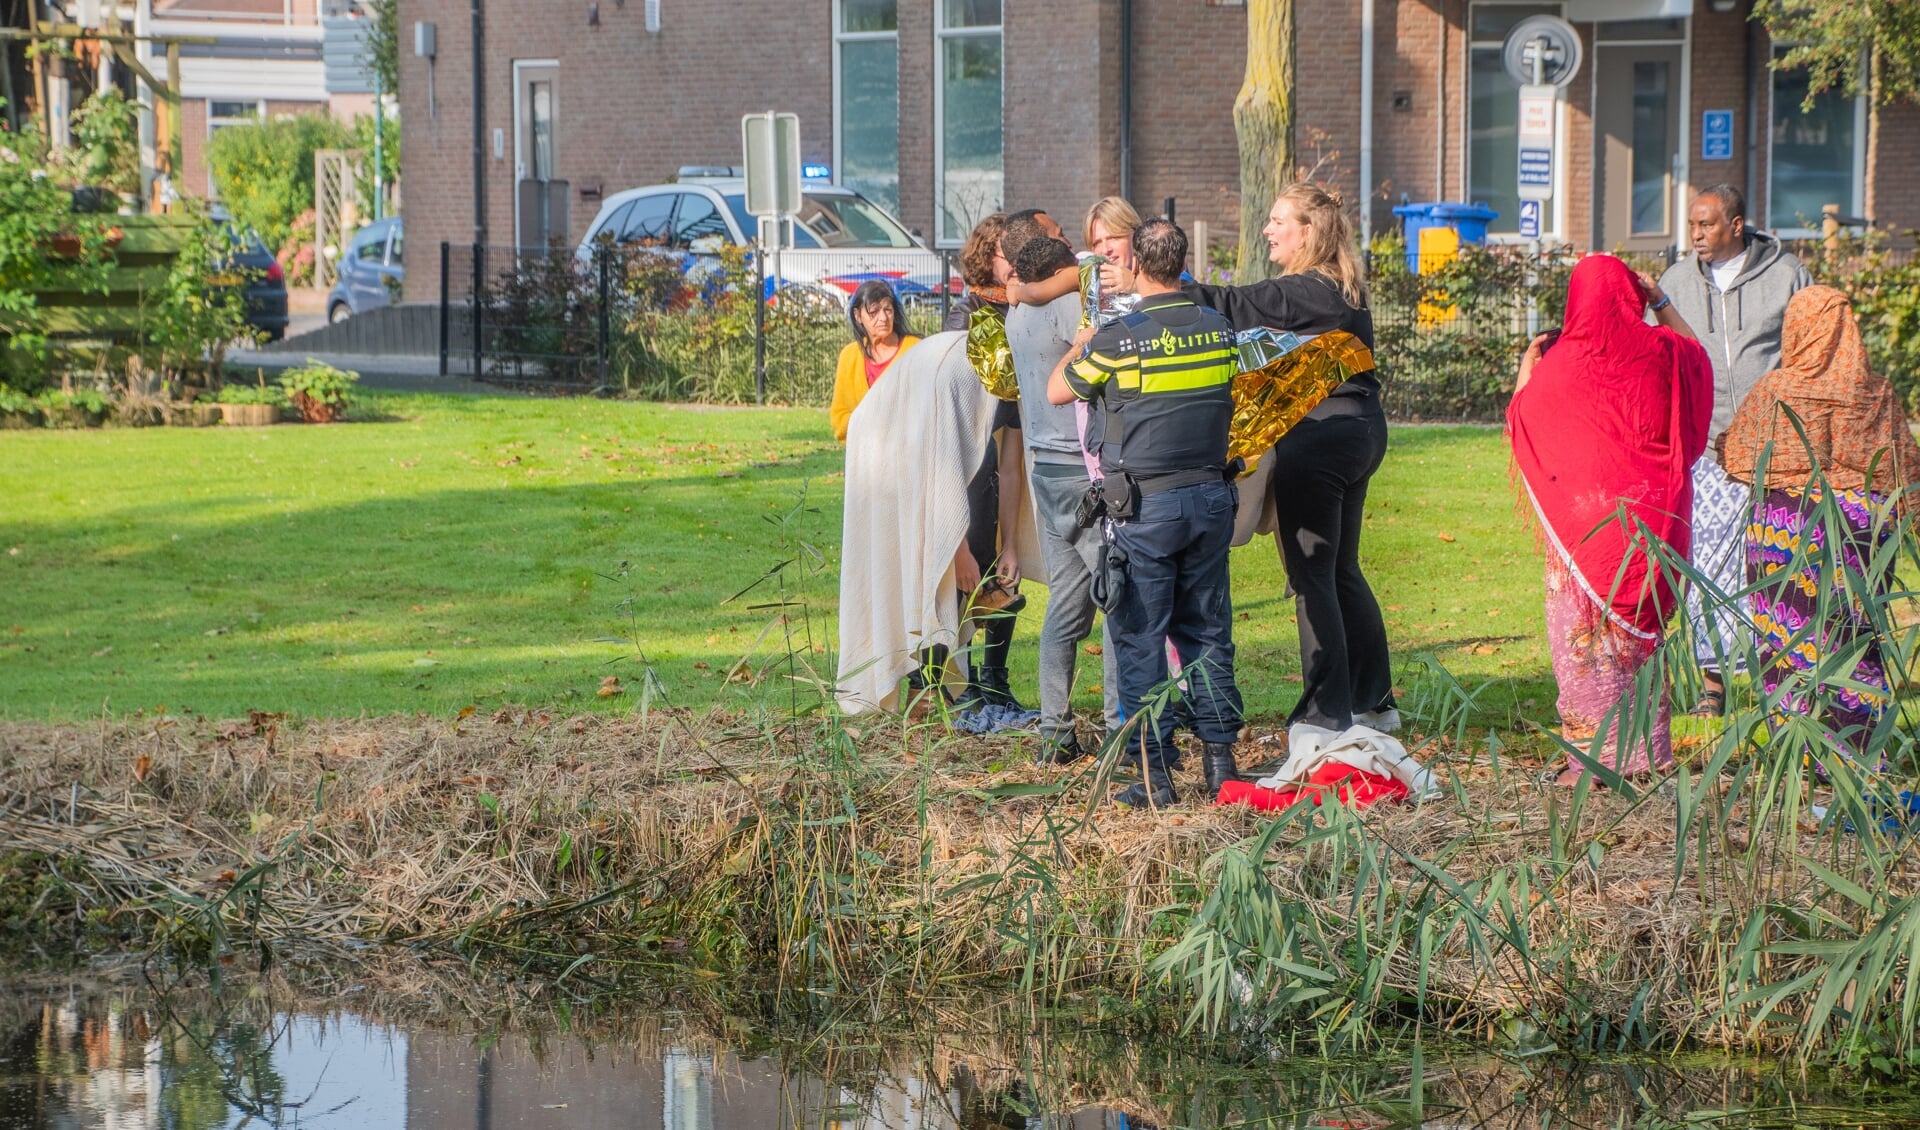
879, 338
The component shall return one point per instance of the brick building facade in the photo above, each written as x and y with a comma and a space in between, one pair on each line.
1132, 96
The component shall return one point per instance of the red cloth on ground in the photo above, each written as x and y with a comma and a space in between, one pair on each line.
1616, 412
1357, 789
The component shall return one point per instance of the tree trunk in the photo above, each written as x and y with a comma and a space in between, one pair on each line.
1876, 70
1263, 123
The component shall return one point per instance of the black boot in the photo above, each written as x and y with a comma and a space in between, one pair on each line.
990, 677
924, 681
1061, 751
1155, 791
1217, 758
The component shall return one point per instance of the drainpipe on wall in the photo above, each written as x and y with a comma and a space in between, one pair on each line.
1440, 107
1126, 98
1366, 122
1756, 203
479, 43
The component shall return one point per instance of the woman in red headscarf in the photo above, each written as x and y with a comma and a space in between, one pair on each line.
1606, 422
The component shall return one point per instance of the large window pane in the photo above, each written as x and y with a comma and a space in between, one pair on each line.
971, 13
1493, 139
1812, 153
1652, 156
869, 15
972, 177
870, 119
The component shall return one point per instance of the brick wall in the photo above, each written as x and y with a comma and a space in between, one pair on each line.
1720, 50
1897, 201
630, 107
633, 107
1062, 138
1189, 59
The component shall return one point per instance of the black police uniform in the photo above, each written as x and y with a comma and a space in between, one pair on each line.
1160, 382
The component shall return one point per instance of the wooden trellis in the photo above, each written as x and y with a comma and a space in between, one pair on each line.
336, 211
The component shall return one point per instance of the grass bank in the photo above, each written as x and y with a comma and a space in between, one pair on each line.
481, 551
903, 863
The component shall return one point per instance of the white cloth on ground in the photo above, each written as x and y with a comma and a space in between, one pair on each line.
913, 444
1366, 749
1722, 509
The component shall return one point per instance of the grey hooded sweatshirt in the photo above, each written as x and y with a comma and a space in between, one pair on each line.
1740, 327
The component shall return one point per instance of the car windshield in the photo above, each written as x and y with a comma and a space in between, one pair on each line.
850, 220
737, 204
833, 220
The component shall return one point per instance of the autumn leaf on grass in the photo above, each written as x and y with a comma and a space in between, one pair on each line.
1445, 537
610, 687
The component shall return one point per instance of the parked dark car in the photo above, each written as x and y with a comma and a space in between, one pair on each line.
370, 271
262, 281
249, 265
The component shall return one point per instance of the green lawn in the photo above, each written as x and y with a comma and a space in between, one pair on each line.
474, 551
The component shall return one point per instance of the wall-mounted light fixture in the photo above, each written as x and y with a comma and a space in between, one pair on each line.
424, 45
653, 17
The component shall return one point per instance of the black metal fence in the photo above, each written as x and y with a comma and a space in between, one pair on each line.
671, 325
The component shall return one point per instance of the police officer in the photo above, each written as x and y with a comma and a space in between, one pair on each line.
1158, 383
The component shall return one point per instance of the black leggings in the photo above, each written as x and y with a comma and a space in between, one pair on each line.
983, 541
1320, 474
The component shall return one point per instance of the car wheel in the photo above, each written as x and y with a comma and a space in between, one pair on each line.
338, 312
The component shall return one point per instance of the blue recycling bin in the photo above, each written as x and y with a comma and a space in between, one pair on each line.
1467, 222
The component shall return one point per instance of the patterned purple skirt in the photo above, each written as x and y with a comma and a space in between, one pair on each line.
1790, 604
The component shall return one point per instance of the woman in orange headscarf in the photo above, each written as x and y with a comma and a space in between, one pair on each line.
1605, 424
1857, 451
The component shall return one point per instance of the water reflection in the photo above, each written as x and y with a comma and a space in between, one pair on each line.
84, 1056
116, 1061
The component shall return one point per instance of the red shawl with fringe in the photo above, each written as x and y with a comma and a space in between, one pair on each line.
1615, 414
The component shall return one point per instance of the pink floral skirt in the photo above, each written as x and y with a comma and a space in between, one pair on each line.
1595, 663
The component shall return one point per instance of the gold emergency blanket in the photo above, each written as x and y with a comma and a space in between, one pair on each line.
989, 353
1089, 288
1281, 381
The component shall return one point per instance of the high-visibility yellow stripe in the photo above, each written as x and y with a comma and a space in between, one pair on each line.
1191, 361
1187, 380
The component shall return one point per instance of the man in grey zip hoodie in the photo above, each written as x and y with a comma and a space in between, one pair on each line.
1733, 292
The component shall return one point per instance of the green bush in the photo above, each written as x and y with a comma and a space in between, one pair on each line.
1886, 297
43, 246
265, 171
677, 345
188, 324
320, 383
1449, 341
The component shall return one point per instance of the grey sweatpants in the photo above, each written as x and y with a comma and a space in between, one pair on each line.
1072, 554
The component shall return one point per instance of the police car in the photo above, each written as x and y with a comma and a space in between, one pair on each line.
841, 239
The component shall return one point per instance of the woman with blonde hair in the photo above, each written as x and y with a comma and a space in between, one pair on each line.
1315, 491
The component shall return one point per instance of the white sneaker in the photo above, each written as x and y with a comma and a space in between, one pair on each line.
1386, 721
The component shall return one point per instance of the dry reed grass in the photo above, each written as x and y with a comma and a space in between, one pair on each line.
914, 867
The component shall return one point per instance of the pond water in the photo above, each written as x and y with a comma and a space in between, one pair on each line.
75, 1053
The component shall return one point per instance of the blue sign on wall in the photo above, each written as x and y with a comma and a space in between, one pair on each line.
1529, 219
1716, 135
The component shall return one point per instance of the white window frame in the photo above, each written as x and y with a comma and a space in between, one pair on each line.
215, 125
1557, 220
942, 33
1859, 202
840, 37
